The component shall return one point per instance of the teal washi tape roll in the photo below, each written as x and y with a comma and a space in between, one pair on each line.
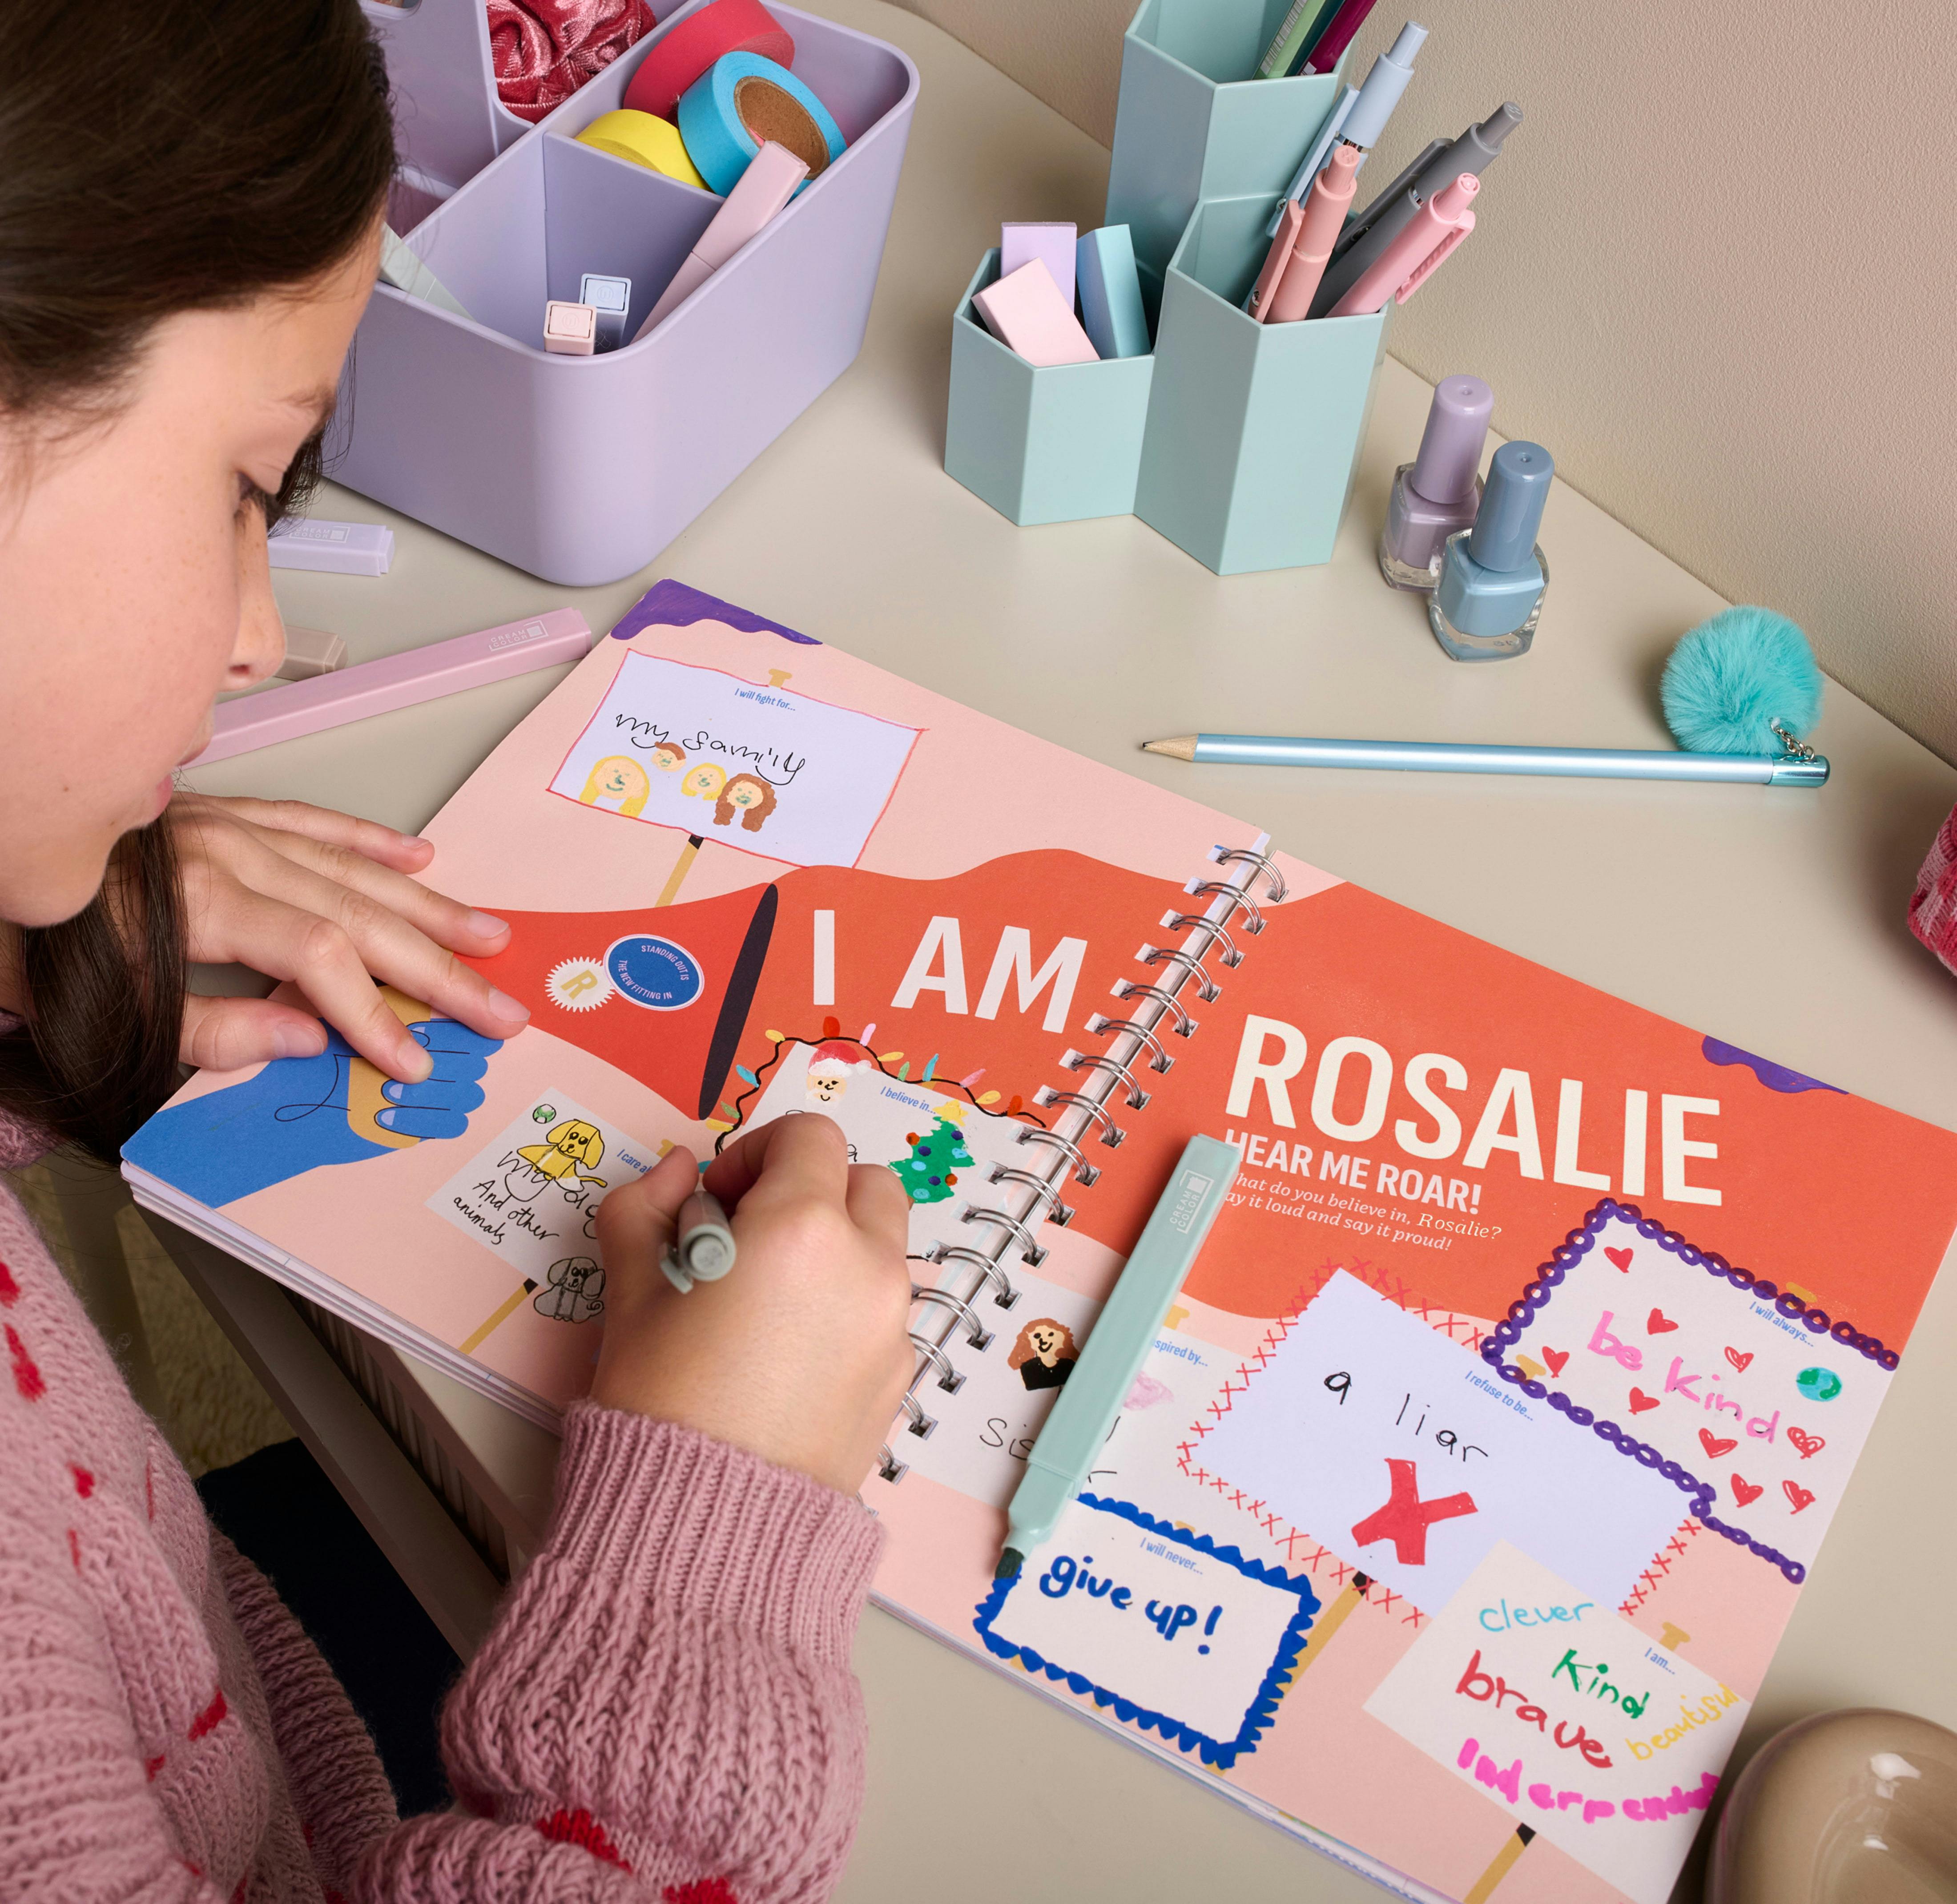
743, 100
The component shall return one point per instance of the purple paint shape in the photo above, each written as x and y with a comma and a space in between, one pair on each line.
1775, 1077
673, 604
1053, 246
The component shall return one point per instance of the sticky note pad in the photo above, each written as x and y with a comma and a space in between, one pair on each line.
1052, 245
570, 330
1111, 293
1024, 312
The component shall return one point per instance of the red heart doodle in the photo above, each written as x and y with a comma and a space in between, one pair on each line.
1621, 1257
1640, 1401
1809, 1444
1745, 1493
1801, 1496
1657, 1322
1740, 1362
1556, 1357
1717, 1446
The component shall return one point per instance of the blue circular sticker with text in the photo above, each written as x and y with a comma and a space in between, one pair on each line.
654, 972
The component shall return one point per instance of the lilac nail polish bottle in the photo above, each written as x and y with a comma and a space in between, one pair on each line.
1438, 493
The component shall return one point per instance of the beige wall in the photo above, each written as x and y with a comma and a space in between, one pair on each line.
1715, 273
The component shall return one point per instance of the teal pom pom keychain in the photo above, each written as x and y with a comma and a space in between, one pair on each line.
1745, 681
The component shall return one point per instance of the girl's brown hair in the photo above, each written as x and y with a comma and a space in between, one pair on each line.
155, 156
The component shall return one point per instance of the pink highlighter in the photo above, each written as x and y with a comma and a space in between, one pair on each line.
1431, 236
773, 176
1326, 206
283, 714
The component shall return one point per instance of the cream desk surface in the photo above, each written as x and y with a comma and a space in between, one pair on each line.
1774, 918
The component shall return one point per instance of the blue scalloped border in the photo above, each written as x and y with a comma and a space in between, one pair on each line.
1222, 1753
1534, 1298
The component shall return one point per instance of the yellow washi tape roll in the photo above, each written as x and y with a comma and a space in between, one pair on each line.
645, 141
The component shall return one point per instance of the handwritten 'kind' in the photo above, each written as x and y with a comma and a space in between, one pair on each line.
1677, 1381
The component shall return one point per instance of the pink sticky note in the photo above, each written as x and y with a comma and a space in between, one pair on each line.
1052, 245
1024, 312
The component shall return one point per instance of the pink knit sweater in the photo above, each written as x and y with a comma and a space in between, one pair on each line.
664, 1710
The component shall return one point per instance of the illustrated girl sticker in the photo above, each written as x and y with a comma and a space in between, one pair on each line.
706, 780
750, 796
619, 783
574, 1146
668, 757
1045, 1354
576, 1290
829, 1065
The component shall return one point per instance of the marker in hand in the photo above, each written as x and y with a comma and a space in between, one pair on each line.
702, 1250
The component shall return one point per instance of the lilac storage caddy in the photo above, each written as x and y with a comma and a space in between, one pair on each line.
580, 469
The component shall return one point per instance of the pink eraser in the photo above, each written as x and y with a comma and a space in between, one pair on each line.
397, 681
1025, 313
773, 176
1053, 246
570, 330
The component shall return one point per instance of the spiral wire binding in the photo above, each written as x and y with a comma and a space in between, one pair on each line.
1080, 1113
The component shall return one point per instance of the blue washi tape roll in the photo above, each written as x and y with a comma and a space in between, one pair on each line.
740, 102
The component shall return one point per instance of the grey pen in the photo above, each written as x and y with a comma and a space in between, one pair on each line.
1360, 221
1386, 218
703, 1247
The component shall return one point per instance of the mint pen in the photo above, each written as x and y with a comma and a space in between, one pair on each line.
1386, 85
1068, 1444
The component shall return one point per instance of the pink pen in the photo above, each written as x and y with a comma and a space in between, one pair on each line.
1325, 208
398, 681
1289, 224
1430, 235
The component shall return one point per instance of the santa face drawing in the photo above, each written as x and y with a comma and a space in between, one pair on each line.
827, 1081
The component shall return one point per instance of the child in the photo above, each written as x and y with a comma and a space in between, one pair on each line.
191, 198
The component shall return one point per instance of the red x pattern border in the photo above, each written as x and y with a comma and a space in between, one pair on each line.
1299, 1549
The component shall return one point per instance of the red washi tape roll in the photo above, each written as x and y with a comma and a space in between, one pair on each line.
679, 57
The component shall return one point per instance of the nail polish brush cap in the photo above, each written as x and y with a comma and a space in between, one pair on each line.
1450, 450
1504, 533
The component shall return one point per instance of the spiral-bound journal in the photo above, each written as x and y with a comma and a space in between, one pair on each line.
1452, 1522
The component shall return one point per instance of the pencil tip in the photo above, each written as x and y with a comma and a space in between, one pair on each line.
1008, 1566
1182, 748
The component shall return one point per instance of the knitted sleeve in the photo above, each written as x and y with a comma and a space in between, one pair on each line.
665, 1708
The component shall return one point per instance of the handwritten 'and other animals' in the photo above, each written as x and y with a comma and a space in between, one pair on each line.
1045, 1353
573, 1147
749, 796
576, 1290
618, 782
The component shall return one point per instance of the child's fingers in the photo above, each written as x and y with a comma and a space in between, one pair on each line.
791, 1160
879, 1206
636, 1221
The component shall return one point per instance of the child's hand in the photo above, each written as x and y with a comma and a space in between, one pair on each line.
799, 1353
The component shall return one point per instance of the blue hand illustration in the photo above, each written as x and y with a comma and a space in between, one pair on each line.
292, 1117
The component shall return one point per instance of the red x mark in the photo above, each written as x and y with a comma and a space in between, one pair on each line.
1404, 1519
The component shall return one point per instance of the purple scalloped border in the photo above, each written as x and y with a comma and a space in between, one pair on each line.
1534, 1298
673, 604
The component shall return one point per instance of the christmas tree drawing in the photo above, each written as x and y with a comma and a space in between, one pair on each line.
930, 1171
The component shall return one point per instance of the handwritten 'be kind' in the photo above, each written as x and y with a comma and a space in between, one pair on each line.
1698, 1388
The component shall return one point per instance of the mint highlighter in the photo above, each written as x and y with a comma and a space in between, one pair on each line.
1066, 1449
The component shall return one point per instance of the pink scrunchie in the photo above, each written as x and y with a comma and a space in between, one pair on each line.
1932, 907
544, 50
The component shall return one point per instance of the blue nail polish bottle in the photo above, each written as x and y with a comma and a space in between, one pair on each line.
1492, 577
